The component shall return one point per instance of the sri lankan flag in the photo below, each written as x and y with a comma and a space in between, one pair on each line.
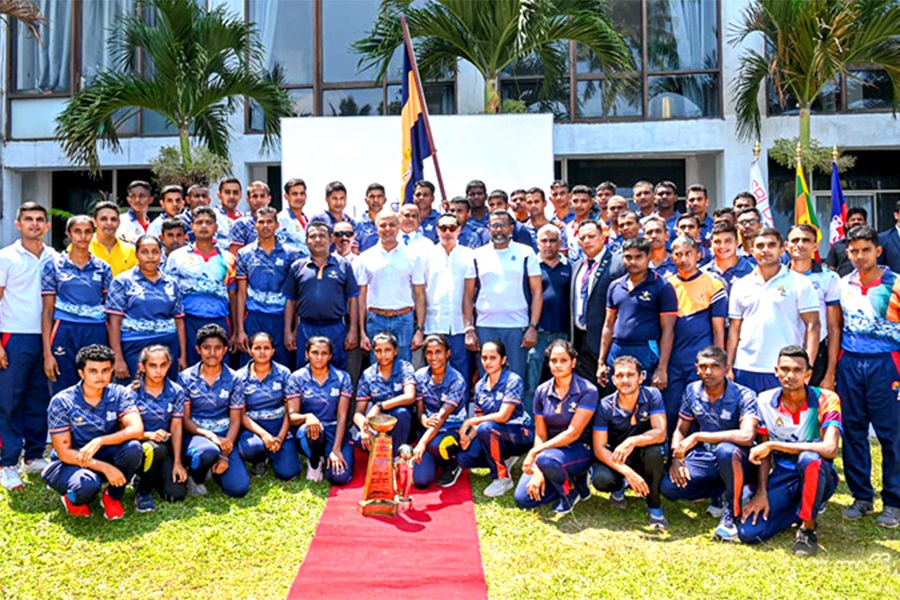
804, 211
416, 147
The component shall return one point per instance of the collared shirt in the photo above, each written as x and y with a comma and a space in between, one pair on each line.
121, 258
621, 424
291, 229
320, 400
155, 228
374, 388
265, 274
770, 313
508, 390
871, 313
205, 280
224, 223
701, 298
415, 243
725, 413
583, 278
638, 309
472, 236
366, 233
327, 217
665, 268
262, 399
570, 216
157, 412
444, 284
20, 278
503, 273
210, 405
148, 309
706, 227
131, 227
828, 288
558, 412
740, 269
69, 411
390, 276
321, 294
243, 232
79, 291
821, 410
451, 390
564, 238
428, 226
556, 280
837, 258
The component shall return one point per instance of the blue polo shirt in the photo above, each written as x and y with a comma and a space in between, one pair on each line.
722, 415
428, 225
523, 236
210, 404
263, 400
706, 227
557, 312
79, 291
620, 424
68, 411
452, 390
321, 295
509, 390
741, 268
148, 309
243, 231
472, 236
157, 412
374, 388
320, 400
205, 280
666, 267
366, 233
558, 412
327, 217
639, 309
265, 275
701, 297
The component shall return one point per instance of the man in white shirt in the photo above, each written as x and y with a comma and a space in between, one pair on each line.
134, 222
291, 220
503, 269
25, 391
411, 236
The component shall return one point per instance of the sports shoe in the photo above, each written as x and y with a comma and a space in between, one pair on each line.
510, 463
143, 503
75, 510
498, 487
658, 519
617, 500
716, 508
448, 476
35, 466
258, 469
196, 489
9, 479
567, 503
727, 531
806, 543
889, 517
314, 474
583, 487
858, 510
112, 509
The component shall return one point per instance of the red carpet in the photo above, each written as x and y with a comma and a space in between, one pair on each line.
429, 551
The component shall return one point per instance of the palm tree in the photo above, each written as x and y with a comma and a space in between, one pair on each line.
24, 11
808, 44
193, 67
494, 35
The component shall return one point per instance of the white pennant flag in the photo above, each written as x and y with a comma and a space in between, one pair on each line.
758, 189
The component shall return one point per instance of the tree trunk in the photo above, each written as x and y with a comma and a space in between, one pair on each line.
185, 139
804, 128
492, 95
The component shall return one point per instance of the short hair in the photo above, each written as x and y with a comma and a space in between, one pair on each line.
198, 211
668, 185
385, 336
146, 237
559, 183
436, 338
606, 186
566, 345
863, 233
373, 187
771, 232
334, 186
746, 195
449, 215
461, 200
139, 183
858, 210
260, 184
212, 330
475, 183
423, 183
628, 213
897, 206
94, 353
715, 353
537, 190
588, 223
627, 359
806, 228
319, 339
498, 345
76, 219
549, 228
687, 217
656, 219
173, 223
637, 243
517, 191
696, 187
171, 189
292, 183
502, 213
582, 189
724, 228
195, 187
725, 210
102, 205
230, 179
683, 240
795, 351
750, 210
499, 194
642, 183
319, 224
266, 210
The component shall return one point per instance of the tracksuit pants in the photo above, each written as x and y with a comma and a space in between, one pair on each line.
336, 331
254, 322
192, 325
493, 444
201, 454
445, 443
285, 463
717, 472
155, 472
560, 467
81, 486
648, 461
24, 397
66, 339
316, 450
131, 352
679, 375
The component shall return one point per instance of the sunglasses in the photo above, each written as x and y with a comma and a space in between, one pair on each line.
447, 227
343, 234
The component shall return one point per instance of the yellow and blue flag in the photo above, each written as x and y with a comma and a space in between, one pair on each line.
416, 146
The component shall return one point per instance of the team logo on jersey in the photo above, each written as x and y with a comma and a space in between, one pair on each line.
779, 422
97, 276
223, 394
643, 415
782, 291
573, 406
111, 415
398, 387
726, 414
645, 296
78, 421
59, 351
332, 275
279, 262
335, 392
276, 386
66, 277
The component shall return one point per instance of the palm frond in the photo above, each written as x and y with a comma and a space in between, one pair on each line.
25, 12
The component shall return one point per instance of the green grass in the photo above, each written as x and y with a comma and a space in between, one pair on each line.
252, 548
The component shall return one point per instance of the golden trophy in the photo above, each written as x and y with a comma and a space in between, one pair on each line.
380, 495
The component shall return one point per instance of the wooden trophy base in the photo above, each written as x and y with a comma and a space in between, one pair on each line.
378, 508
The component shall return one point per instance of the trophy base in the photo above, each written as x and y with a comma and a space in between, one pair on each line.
378, 508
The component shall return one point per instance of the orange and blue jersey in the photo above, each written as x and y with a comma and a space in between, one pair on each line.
70, 412
321, 400
262, 399
821, 410
210, 405
509, 390
558, 412
701, 297
639, 308
451, 390
265, 275
871, 313
148, 309
205, 280
621, 424
157, 412
79, 291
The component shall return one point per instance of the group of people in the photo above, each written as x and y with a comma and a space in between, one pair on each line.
686, 355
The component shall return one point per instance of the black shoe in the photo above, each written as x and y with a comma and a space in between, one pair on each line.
806, 543
258, 469
449, 475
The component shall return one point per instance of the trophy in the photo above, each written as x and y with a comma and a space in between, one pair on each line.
403, 471
380, 495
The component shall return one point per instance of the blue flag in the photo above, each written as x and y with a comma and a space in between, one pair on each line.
838, 223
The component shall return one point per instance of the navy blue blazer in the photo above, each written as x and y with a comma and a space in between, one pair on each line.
890, 249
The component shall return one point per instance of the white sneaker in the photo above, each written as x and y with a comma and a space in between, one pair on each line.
196, 489
10, 480
511, 462
314, 474
498, 487
35, 467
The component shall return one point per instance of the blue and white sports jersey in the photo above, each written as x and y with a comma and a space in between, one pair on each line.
722, 415
265, 275
224, 223
320, 400
79, 291
68, 411
292, 230
148, 309
210, 404
451, 390
205, 280
366, 233
155, 228
263, 400
374, 388
157, 412
509, 390
243, 231
558, 412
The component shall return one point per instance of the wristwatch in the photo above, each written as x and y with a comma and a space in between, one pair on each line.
420, 328
380, 405
469, 328
534, 325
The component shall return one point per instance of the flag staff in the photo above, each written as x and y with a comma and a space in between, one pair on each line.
415, 69
756, 149
834, 153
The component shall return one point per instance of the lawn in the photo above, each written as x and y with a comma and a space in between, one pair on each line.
253, 547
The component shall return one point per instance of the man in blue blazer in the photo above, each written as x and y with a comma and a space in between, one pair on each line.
890, 243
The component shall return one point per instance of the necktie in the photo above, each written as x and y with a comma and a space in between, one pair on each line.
585, 286
406, 239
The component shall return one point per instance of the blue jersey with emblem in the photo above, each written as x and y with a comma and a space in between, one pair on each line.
79, 291
210, 405
742, 267
620, 424
263, 400
331, 220
374, 388
148, 309
366, 233
205, 280
321, 294
666, 267
265, 275
451, 390
320, 400
243, 231
639, 308
558, 412
722, 415
472, 236
428, 225
509, 390
68, 411
157, 412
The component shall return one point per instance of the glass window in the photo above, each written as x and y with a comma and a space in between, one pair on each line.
97, 21
353, 102
683, 97
528, 91
152, 123
868, 90
439, 98
828, 101
589, 102
342, 24
302, 99
682, 36
626, 15
286, 32
46, 66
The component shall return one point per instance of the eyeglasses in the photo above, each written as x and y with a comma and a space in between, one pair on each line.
748, 222
450, 228
344, 234
498, 226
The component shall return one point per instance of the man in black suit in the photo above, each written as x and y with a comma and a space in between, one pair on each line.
890, 243
591, 277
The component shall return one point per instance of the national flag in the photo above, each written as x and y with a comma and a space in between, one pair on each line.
804, 211
758, 189
416, 146
838, 225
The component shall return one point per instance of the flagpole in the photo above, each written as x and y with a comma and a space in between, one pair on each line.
802, 175
415, 69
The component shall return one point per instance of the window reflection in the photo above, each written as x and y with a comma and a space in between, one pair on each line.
683, 97
343, 23
46, 66
353, 102
286, 32
682, 35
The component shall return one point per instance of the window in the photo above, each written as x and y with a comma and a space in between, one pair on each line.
45, 66
865, 90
